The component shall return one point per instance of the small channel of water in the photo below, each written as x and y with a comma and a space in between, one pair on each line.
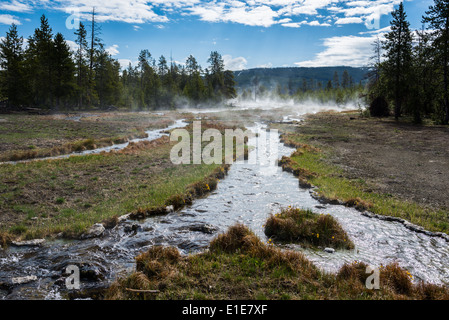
151, 135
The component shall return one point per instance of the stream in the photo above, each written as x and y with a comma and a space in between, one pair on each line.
151, 135
248, 195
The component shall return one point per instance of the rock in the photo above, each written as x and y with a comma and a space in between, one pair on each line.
132, 228
29, 243
329, 250
123, 218
23, 280
204, 228
91, 272
170, 208
88, 271
95, 231
368, 214
304, 184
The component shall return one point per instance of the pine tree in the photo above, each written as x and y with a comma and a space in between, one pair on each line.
398, 47
12, 85
107, 79
229, 85
81, 65
438, 19
40, 63
336, 81
64, 79
345, 80
217, 74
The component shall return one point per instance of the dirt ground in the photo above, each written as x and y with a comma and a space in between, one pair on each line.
398, 158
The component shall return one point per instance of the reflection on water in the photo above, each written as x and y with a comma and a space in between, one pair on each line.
248, 195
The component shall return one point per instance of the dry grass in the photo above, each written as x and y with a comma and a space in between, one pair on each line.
238, 265
77, 146
393, 279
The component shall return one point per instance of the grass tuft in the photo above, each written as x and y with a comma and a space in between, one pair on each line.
307, 228
238, 265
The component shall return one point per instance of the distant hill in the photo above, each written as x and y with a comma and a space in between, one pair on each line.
271, 77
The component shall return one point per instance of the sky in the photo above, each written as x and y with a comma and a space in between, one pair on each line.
248, 34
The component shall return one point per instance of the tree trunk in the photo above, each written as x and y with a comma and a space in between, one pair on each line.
446, 76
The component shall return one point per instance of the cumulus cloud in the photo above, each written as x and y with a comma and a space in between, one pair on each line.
266, 65
234, 64
15, 6
259, 13
9, 19
124, 63
314, 23
72, 45
349, 20
351, 51
113, 50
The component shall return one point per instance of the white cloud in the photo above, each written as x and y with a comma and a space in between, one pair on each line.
72, 45
349, 20
343, 51
314, 23
113, 50
15, 6
234, 64
260, 13
9, 19
124, 63
129, 11
266, 65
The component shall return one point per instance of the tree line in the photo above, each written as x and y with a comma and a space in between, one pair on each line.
410, 69
338, 89
46, 73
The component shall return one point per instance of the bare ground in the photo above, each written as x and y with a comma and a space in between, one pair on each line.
398, 158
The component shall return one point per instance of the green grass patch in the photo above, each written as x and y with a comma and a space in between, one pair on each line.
307, 228
70, 195
310, 165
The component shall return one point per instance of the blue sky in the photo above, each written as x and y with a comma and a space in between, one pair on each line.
248, 34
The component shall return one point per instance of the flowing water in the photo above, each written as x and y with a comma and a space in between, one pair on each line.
249, 194
151, 135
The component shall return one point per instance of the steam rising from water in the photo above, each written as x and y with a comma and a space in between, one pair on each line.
291, 106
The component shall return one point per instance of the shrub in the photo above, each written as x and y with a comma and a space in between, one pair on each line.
379, 107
